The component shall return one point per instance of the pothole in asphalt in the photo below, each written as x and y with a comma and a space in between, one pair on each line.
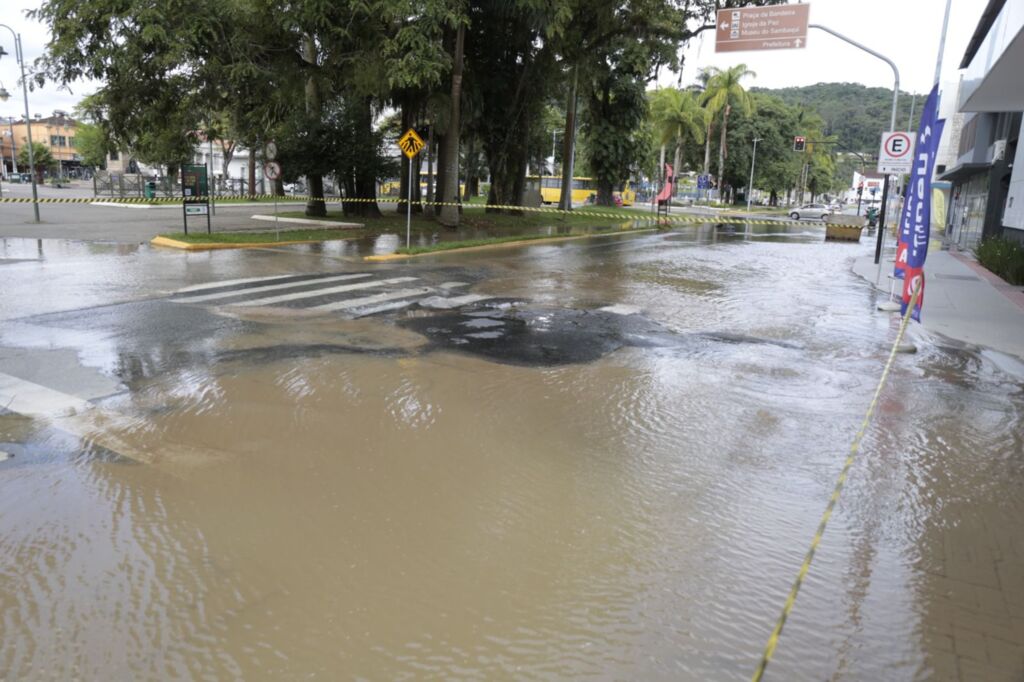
538, 336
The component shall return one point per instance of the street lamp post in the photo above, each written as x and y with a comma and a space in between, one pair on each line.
14, 145
750, 185
20, 57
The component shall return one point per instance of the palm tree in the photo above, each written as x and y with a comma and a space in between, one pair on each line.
701, 86
678, 117
723, 91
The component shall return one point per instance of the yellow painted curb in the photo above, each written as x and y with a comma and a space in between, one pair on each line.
521, 242
186, 246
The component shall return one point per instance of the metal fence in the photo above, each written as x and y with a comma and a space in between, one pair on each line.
123, 185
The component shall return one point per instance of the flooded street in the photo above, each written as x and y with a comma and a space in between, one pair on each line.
600, 458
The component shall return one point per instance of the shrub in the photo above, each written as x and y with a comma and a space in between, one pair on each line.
1004, 257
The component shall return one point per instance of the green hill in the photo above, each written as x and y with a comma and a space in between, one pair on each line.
855, 113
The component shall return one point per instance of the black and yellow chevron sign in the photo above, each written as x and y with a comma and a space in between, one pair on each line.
410, 143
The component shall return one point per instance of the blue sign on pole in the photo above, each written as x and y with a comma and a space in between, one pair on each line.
915, 223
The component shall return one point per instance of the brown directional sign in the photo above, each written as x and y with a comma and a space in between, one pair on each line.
778, 27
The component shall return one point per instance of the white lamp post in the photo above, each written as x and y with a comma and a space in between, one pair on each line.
4, 95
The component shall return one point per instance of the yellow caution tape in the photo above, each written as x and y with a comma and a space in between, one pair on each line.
725, 218
773, 639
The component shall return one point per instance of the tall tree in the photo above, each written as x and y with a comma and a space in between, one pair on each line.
723, 92
40, 154
678, 119
449, 211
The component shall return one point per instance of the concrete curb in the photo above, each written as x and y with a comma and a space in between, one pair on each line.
186, 246
325, 224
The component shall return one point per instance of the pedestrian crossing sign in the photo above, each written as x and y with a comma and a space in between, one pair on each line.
410, 143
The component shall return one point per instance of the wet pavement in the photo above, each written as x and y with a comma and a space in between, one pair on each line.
603, 457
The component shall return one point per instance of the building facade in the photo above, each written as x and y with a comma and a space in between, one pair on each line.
987, 178
56, 133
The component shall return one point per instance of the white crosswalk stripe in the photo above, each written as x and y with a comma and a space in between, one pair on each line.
330, 293
370, 300
231, 282
286, 298
270, 287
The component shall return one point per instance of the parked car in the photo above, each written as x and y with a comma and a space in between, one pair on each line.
812, 211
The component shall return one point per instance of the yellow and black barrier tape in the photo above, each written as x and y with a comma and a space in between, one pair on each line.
773, 639
263, 198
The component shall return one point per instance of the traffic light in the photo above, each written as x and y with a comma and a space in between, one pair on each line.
799, 143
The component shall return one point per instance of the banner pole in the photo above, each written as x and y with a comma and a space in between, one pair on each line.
881, 228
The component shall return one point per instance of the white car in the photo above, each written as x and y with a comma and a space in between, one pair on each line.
812, 211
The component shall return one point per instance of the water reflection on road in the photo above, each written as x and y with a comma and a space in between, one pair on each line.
384, 505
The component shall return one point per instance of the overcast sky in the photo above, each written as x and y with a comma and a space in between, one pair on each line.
907, 31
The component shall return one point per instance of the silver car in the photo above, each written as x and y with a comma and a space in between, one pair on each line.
811, 211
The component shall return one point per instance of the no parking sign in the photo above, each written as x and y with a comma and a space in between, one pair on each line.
896, 155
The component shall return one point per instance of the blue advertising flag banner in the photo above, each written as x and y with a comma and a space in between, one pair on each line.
915, 221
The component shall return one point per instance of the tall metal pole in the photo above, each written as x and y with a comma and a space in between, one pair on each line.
14, 146
895, 71
408, 210
213, 186
892, 126
942, 43
28, 118
750, 185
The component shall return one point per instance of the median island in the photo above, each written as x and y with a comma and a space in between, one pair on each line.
477, 229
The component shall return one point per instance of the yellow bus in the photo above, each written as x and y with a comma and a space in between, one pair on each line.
583, 189
391, 187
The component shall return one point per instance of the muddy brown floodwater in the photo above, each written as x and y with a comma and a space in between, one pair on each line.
376, 499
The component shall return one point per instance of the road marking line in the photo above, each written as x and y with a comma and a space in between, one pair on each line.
442, 303
284, 298
620, 309
33, 400
231, 282
69, 413
370, 300
269, 287
469, 298
373, 310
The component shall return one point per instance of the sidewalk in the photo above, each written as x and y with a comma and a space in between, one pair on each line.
963, 300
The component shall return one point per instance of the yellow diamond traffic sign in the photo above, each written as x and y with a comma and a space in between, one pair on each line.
410, 143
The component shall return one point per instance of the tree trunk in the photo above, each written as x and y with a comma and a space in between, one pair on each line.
252, 171
707, 150
442, 156
450, 210
428, 209
675, 169
721, 152
467, 193
315, 206
365, 179
228, 153
569, 144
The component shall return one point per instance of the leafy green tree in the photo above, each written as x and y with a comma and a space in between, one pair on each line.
724, 90
774, 123
41, 155
91, 144
678, 118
